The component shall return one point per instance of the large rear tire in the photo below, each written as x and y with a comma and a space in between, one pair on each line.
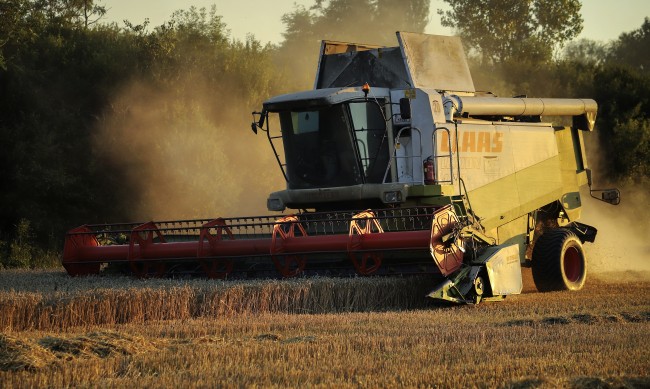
559, 262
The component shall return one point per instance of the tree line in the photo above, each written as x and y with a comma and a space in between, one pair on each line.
93, 113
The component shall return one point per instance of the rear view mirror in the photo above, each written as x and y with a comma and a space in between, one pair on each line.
258, 123
611, 196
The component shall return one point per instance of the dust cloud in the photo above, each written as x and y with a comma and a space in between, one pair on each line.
187, 155
622, 246
622, 243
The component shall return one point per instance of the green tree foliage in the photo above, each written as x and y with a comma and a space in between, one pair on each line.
63, 77
514, 30
360, 21
616, 76
24, 20
631, 49
56, 77
585, 51
623, 97
21, 250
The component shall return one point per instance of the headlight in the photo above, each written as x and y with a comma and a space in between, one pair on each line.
273, 204
393, 197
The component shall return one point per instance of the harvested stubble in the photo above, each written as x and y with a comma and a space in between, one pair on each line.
16, 354
531, 343
593, 338
119, 300
21, 355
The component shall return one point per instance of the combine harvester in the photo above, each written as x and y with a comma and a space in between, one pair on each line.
395, 165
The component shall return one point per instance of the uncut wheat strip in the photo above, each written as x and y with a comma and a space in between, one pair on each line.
309, 296
160, 301
8, 311
18, 310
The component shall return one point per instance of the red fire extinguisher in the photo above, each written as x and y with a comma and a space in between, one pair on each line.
429, 172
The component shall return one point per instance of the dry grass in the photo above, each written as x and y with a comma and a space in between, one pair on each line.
595, 338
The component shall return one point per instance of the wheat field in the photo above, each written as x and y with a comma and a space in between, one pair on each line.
364, 332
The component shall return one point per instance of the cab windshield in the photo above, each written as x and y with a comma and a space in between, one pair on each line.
339, 145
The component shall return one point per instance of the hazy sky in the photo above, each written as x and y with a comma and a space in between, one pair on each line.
603, 19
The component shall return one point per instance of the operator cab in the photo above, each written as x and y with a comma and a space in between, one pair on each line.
332, 137
340, 145
334, 140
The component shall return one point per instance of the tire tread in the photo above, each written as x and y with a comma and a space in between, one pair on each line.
546, 264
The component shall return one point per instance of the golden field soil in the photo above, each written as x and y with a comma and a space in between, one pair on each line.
353, 333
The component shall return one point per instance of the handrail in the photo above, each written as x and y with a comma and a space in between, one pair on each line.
275, 152
434, 142
395, 157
